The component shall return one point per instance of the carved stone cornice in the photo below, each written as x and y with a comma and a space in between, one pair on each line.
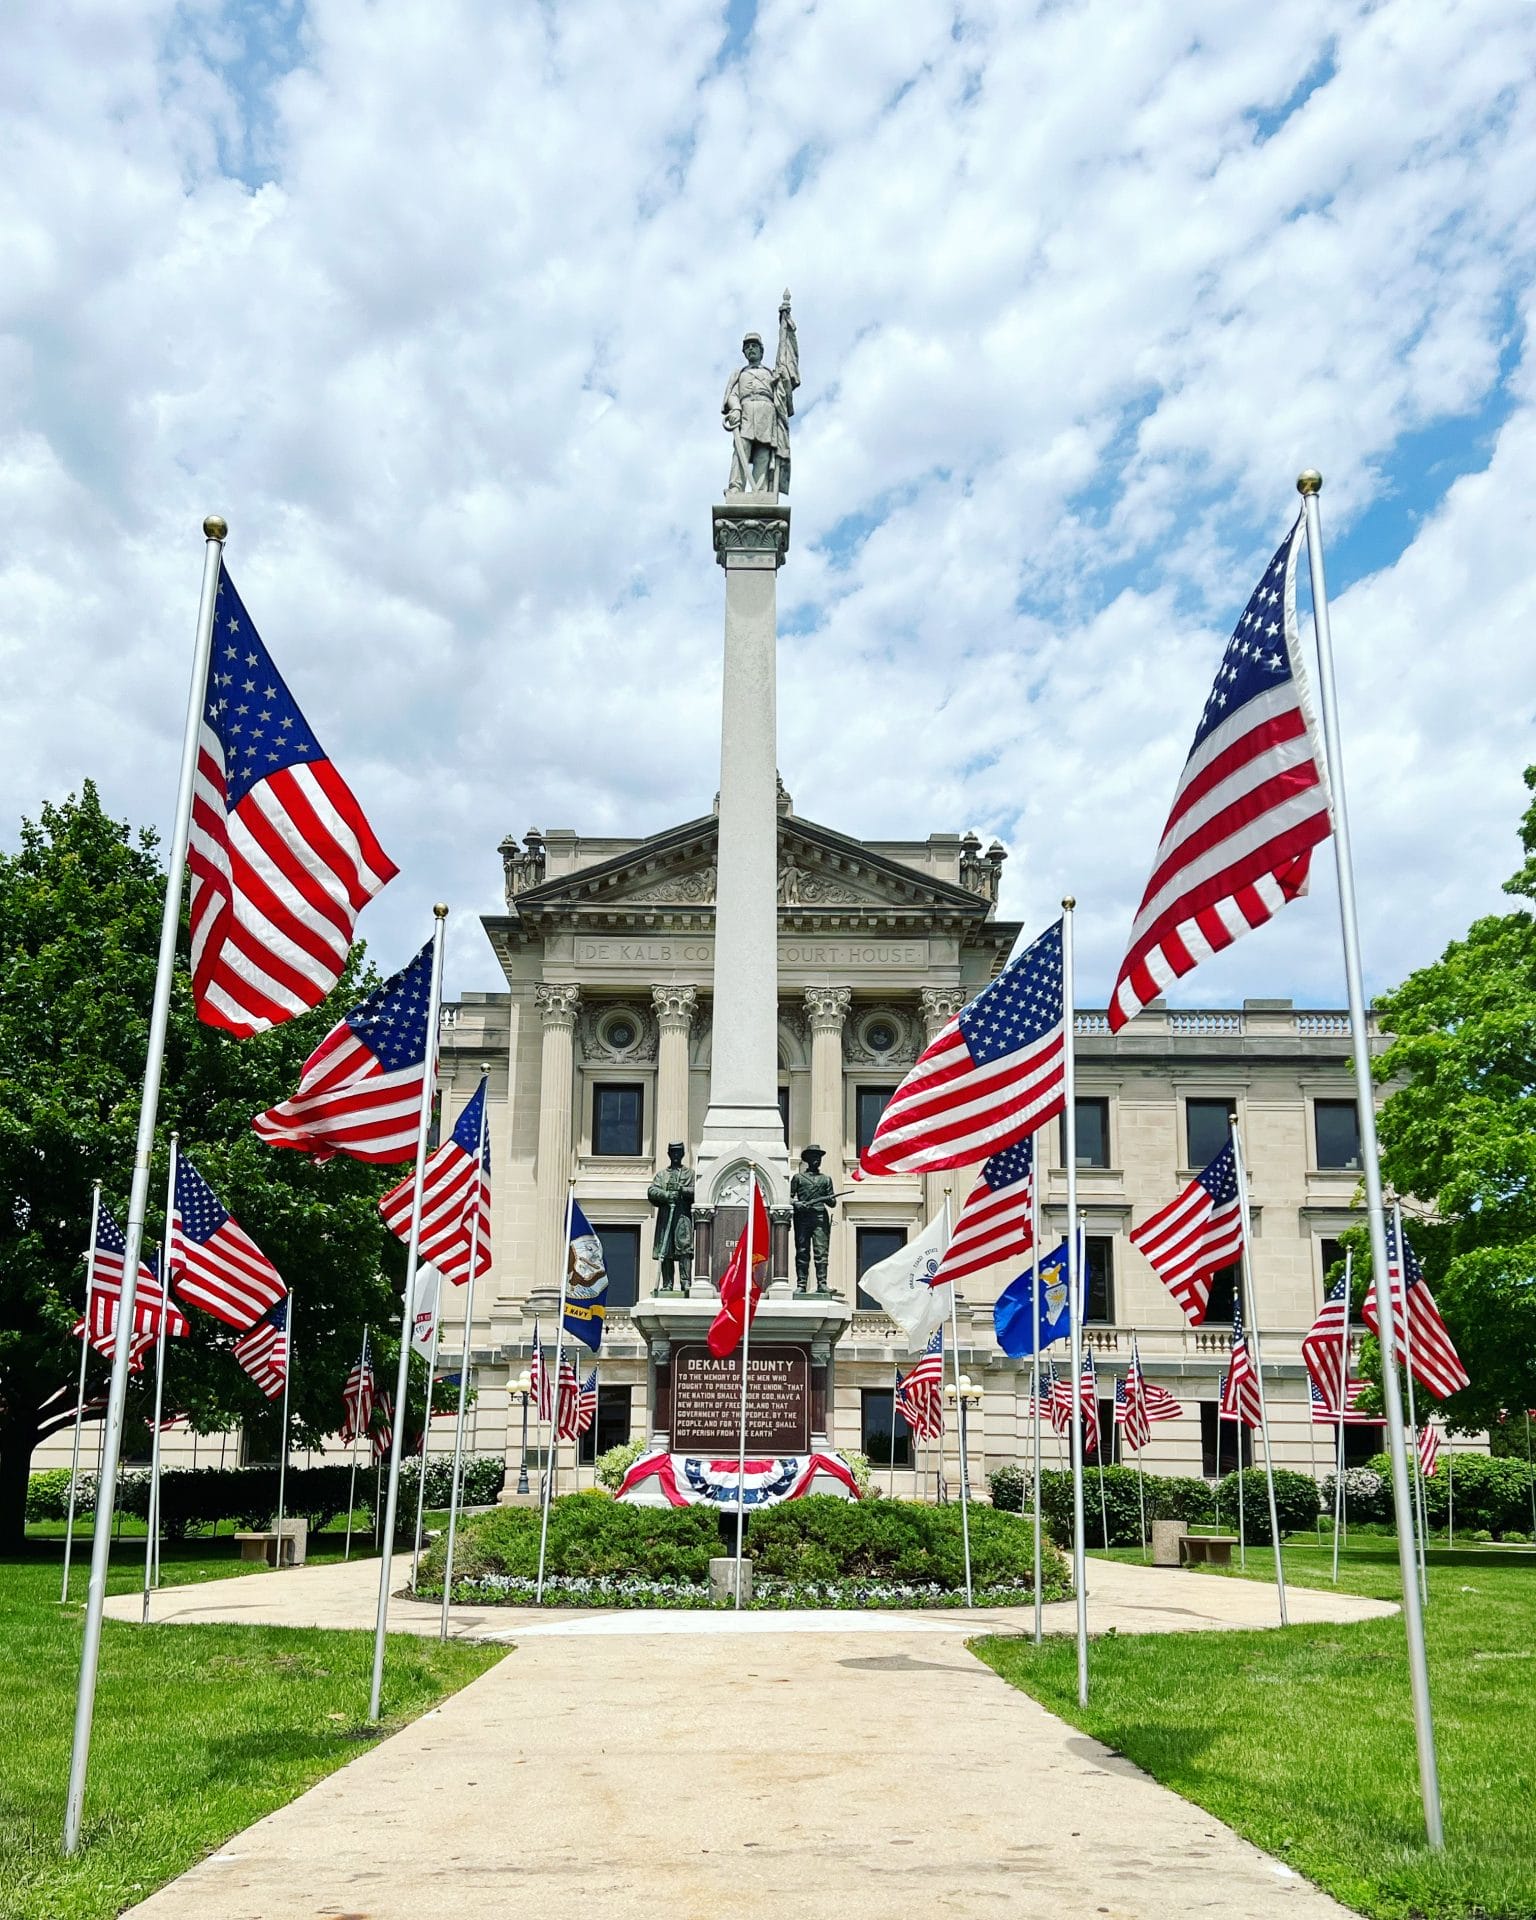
940, 1005
755, 535
675, 1007
827, 1008
558, 1003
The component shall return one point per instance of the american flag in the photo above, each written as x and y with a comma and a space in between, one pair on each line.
920, 1391
1423, 1339
215, 1264
1325, 1407
383, 1427
263, 1349
357, 1399
994, 1223
1196, 1235
360, 1090
282, 859
99, 1325
456, 1191
1429, 1449
541, 1380
1323, 1346
1055, 1399
586, 1403
1088, 1396
992, 1075
1131, 1414
1240, 1384
567, 1403
1251, 804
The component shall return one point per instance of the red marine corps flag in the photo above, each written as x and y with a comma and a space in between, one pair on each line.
738, 1301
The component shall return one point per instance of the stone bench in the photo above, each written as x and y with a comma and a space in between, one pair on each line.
263, 1544
1207, 1549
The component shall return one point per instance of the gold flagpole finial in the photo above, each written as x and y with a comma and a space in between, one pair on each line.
1309, 482
440, 911
216, 527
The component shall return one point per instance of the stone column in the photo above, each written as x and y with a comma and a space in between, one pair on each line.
674, 1013
558, 1003
826, 1009
751, 537
940, 1005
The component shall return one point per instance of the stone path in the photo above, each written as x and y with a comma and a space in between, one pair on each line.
690, 1766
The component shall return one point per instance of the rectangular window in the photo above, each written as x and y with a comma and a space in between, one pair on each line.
612, 1425
1338, 1134
1099, 1263
1207, 1128
879, 1411
1223, 1295
621, 1256
1092, 1132
1330, 1254
873, 1245
618, 1120
784, 1112
870, 1103
1232, 1436
1107, 1453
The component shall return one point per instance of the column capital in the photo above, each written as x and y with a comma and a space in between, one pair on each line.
675, 1007
827, 1008
940, 1005
751, 530
558, 1002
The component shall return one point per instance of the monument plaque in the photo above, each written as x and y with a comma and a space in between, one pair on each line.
706, 1400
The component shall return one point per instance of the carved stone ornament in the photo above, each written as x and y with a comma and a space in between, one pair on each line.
742, 533
693, 889
733, 1187
600, 1023
860, 1036
522, 866
940, 1004
675, 1006
558, 1002
827, 1007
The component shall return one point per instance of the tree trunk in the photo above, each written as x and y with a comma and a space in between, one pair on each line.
17, 1441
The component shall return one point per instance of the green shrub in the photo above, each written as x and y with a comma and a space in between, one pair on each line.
1367, 1495
48, 1494
1008, 1486
1490, 1493
1168, 1498
1180, 1498
616, 1462
589, 1536
1296, 1503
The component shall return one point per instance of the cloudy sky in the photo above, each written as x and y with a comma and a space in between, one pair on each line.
436, 305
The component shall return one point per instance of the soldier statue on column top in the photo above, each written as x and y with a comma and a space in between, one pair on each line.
756, 411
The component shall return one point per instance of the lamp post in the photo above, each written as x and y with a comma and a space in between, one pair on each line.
523, 1385
969, 1400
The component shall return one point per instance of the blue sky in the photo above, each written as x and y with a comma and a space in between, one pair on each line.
436, 305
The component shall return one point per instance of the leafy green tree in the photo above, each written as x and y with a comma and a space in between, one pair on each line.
80, 906
1459, 1136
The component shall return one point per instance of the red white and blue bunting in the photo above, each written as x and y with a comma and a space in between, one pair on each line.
686, 1480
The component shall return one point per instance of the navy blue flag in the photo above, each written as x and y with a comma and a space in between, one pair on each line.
1013, 1315
586, 1286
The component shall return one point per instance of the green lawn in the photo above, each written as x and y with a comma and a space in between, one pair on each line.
1302, 1739
199, 1729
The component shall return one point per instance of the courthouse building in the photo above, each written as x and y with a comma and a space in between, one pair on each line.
599, 1052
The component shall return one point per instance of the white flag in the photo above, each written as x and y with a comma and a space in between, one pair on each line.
428, 1285
901, 1285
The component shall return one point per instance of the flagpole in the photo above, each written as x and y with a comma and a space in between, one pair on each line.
1242, 1525
1250, 1301
552, 1453
1309, 485
1074, 1288
282, 1458
1034, 1242
1450, 1499
1312, 1462
408, 1310
1338, 1477
1529, 1468
85, 1347
1401, 1277
469, 1321
215, 532
152, 1531
426, 1432
362, 1361
890, 1478
960, 1431
746, 1337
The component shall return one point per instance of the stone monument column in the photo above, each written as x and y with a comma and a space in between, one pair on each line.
751, 537
826, 1009
558, 1004
940, 1005
674, 1015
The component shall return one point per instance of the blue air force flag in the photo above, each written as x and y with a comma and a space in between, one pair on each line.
586, 1285
1013, 1316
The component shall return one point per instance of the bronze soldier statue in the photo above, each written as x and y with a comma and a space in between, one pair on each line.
812, 1198
671, 1194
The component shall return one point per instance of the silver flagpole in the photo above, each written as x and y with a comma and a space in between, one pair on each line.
407, 1312
1400, 1277
1530, 1471
85, 1347
1339, 1470
215, 532
362, 1361
552, 1454
152, 1531
1308, 485
890, 1478
469, 1321
1074, 1290
282, 1458
1251, 1303
1034, 1241
746, 1337
426, 1432
1450, 1498
960, 1429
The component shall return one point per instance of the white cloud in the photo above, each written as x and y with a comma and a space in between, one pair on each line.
440, 316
